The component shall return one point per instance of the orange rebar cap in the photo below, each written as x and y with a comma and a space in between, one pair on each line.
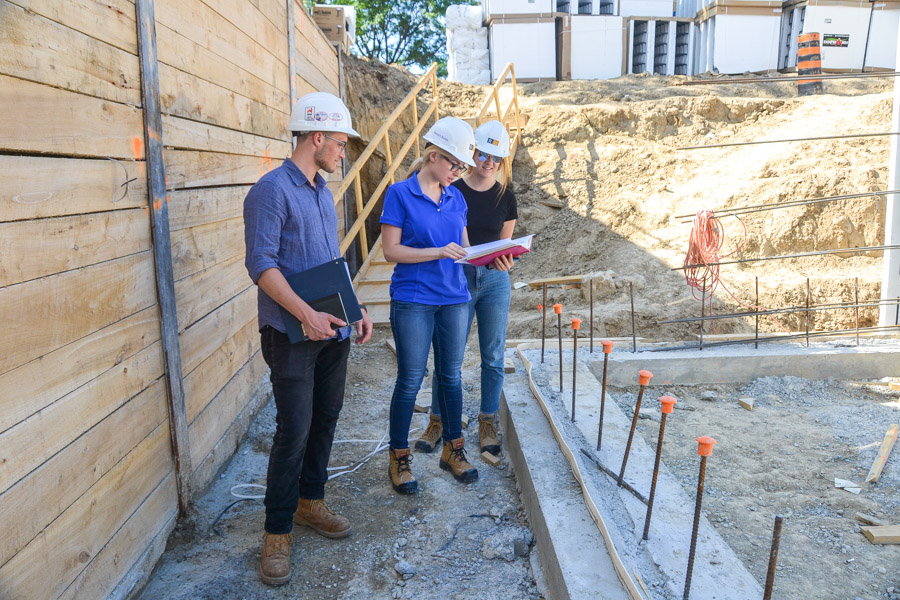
667, 404
704, 445
607, 346
576, 323
557, 308
644, 376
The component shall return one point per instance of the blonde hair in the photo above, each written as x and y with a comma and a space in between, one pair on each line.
417, 164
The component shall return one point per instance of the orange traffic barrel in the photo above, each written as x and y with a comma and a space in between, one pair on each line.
809, 62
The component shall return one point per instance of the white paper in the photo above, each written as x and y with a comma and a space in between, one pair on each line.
491, 247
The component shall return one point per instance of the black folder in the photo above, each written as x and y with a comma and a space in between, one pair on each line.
315, 286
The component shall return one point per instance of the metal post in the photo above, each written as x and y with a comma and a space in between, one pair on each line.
607, 348
890, 274
702, 315
576, 323
756, 338
592, 315
856, 301
162, 250
773, 558
633, 329
557, 308
667, 404
704, 449
643, 380
807, 312
544, 323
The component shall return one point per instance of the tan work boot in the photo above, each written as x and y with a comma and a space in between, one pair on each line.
453, 459
275, 563
316, 515
487, 435
432, 435
400, 472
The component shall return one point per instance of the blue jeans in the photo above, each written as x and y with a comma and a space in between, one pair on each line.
308, 384
415, 327
490, 290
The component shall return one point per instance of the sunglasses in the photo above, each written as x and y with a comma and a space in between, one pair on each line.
455, 167
483, 156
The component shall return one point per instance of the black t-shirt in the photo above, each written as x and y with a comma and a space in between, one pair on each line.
487, 212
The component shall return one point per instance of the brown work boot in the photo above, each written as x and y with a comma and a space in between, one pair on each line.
275, 563
401, 474
487, 435
432, 435
316, 515
453, 459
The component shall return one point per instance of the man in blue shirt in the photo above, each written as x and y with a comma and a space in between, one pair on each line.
290, 225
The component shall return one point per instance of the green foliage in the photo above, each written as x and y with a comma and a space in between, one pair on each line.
406, 32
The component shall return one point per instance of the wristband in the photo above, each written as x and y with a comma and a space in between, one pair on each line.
363, 307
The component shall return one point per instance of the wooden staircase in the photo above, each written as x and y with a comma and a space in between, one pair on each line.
372, 282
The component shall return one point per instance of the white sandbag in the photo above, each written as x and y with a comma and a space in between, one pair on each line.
471, 56
463, 16
458, 39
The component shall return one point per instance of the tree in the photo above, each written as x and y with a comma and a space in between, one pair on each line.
406, 32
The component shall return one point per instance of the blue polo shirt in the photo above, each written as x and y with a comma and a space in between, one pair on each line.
425, 224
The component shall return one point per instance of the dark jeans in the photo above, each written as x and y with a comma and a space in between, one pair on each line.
308, 384
416, 327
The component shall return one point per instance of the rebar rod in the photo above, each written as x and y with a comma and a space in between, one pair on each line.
780, 338
592, 315
544, 323
612, 474
756, 304
807, 312
787, 310
773, 557
695, 530
743, 210
659, 445
856, 297
788, 79
806, 139
855, 250
633, 328
702, 316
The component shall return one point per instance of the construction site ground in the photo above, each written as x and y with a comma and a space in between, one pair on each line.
599, 178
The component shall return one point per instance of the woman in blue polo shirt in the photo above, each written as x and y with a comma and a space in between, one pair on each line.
423, 230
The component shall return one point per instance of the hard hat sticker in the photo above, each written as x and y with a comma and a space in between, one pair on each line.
336, 116
321, 116
493, 142
310, 113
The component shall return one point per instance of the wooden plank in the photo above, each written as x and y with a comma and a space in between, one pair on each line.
204, 246
205, 336
188, 96
490, 459
49, 564
111, 21
201, 293
746, 402
35, 385
186, 55
41, 50
35, 440
65, 477
561, 280
33, 187
870, 520
216, 418
318, 48
882, 535
886, 446
81, 125
190, 208
246, 17
183, 134
309, 72
196, 21
187, 168
126, 550
508, 366
55, 311
203, 383
276, 12
32, 249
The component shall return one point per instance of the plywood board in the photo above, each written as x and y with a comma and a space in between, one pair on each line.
111, 21
186, 55
186, 168
215, 419
33, 187
47, 566
65, 477
32, 249
184, 134
35, 440
157, 514
201, 247
33, 386
193, 207
81, 125
196, 21
41, 50
203, 292
202, 338
55, 311
203, 383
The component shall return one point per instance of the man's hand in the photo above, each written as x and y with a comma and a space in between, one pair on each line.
364, 328
504, 262
317, 325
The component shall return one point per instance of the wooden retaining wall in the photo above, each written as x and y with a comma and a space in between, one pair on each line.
89, 485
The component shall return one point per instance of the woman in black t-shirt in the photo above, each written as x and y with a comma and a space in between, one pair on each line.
492, 216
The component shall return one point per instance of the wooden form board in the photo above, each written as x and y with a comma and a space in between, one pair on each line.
883, 452
882, 535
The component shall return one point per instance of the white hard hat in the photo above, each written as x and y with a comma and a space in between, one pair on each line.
492, 138
454, 136
321, 111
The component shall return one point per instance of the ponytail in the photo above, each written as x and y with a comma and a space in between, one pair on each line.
417, 164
